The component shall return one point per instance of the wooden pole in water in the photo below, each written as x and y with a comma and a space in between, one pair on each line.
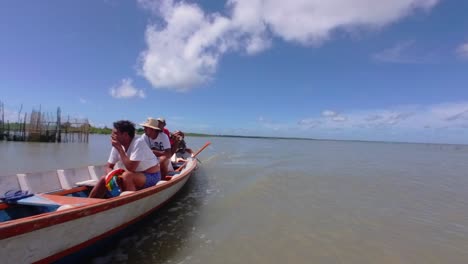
24, 126
8, 130
87, 130
38, 121
59, 126
2, 127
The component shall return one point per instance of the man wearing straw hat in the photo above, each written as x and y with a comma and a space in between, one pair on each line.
158, 142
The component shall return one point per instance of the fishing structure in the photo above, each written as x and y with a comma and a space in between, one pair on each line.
39, 126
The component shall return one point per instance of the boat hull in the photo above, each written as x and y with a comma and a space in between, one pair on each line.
52, 236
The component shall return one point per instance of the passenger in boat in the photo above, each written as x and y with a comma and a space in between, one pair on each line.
159, 144
141, 166
162, 126
182, 152
174, 138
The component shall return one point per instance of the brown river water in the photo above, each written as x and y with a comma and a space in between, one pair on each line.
291, 201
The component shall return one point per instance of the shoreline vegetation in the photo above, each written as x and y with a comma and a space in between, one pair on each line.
106, 131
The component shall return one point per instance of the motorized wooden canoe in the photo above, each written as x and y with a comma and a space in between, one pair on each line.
59, 219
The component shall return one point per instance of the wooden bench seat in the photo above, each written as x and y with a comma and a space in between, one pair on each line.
75, 201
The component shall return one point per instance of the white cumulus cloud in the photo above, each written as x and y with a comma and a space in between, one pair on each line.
339, 118
333, 116
184, 49
451, 113
462, 50
313, 21
126, 90
329, 113
440, 116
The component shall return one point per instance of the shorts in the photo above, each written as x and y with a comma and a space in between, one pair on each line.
152, 179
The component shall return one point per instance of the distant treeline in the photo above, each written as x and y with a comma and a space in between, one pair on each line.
106, 130
98, 130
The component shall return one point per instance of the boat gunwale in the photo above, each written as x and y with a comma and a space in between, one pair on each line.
32, 223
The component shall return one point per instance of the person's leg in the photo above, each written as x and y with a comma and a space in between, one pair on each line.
133, 180
99, 190
151, 179
169, 165
163, 162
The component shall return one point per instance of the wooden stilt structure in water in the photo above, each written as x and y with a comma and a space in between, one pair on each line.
43, 127
2, 123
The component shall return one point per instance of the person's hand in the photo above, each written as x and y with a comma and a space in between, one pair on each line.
115, 143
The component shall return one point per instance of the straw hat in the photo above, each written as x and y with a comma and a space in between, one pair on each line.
151, 123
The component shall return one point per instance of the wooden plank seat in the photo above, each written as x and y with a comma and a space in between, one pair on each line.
71, 191
56, 200
71, 200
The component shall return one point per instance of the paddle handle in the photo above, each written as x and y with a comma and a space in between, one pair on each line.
201, 149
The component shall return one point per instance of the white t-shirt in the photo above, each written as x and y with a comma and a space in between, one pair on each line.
137, 151
161, 143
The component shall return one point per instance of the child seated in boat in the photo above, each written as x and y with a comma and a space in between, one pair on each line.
141, 166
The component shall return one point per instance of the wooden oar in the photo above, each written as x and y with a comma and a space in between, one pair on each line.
195, 155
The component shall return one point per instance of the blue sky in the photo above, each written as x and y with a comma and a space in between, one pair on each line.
342, 69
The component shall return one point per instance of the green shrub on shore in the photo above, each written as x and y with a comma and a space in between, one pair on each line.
99, 130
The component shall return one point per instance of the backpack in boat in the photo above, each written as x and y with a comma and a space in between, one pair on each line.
112, 182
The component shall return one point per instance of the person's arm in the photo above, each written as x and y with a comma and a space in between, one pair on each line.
129, 164
167, 153
113, 159
162, 153
164, 158
158, 153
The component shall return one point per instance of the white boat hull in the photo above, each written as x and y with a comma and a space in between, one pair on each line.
51, 236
